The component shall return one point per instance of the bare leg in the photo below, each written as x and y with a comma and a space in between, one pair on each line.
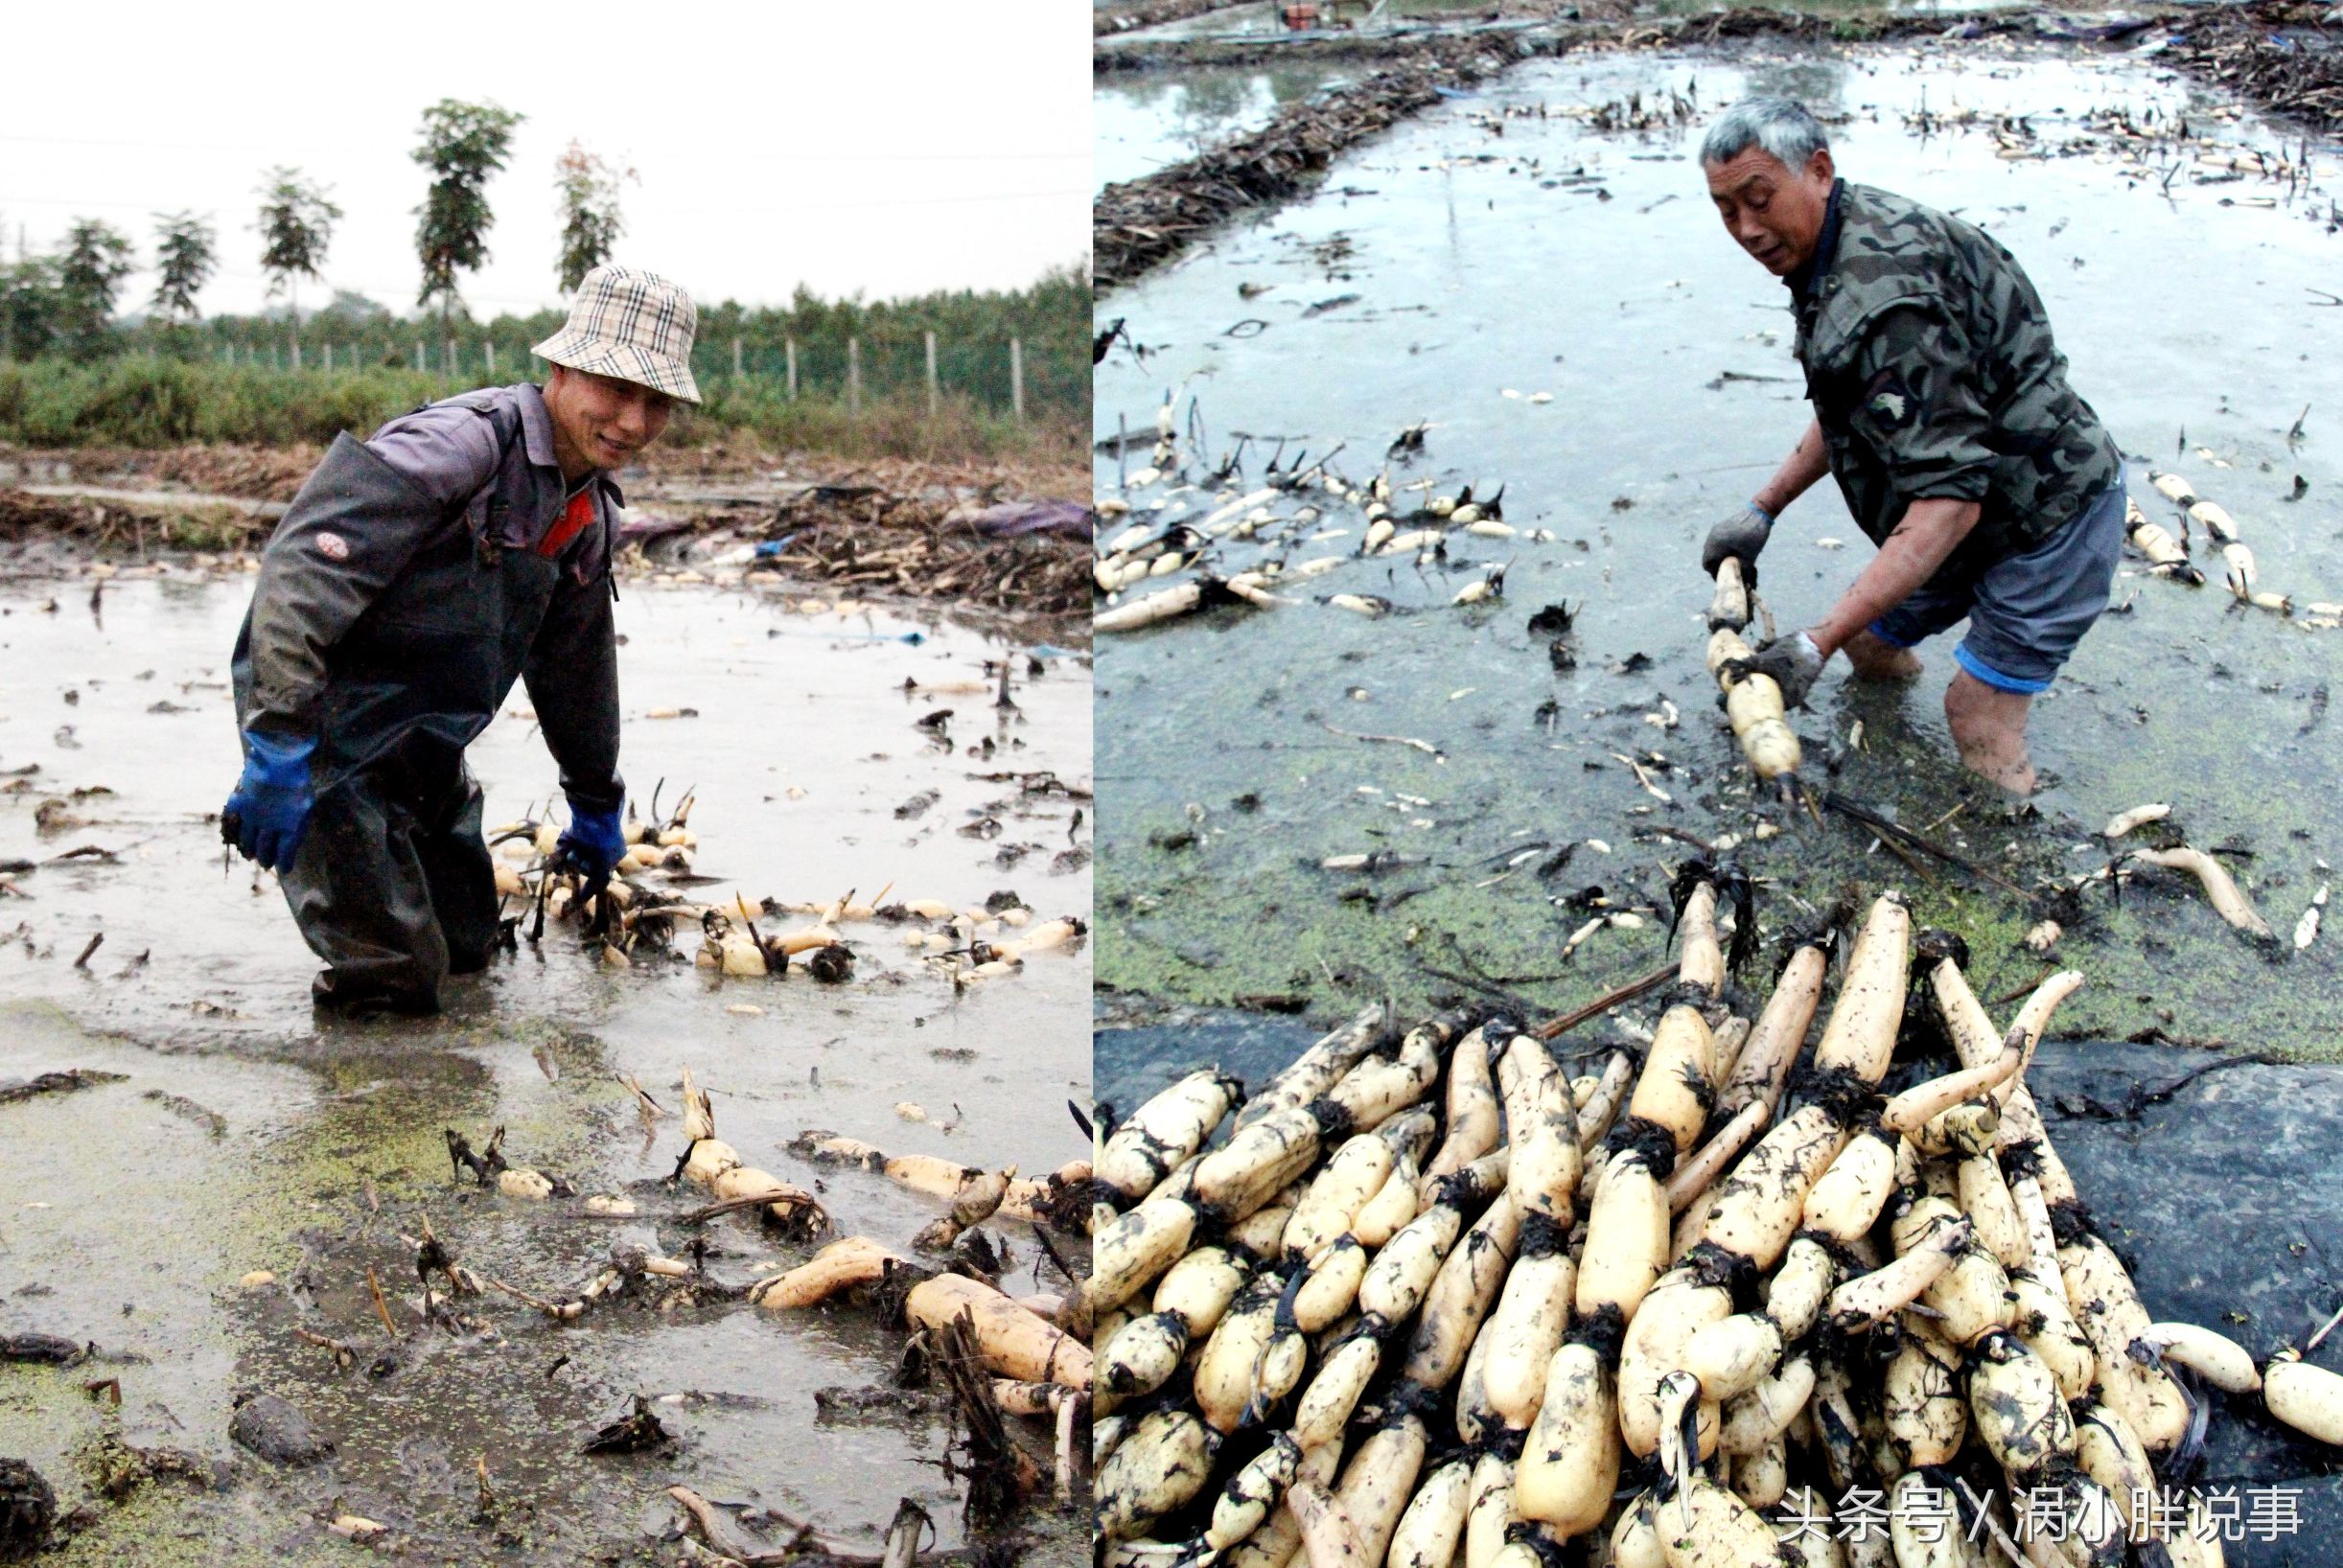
1875, 659
1989, 727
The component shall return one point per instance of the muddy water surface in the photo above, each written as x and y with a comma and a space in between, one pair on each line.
1496, 244
1144, 121
246, 1134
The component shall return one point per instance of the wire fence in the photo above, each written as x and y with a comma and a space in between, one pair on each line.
1009, 376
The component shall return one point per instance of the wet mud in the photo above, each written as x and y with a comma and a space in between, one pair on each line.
207, 1223
1554, 299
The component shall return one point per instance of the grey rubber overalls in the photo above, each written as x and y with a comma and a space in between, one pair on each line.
391, 627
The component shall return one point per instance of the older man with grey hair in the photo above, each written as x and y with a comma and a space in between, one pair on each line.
1941, 406
417, 576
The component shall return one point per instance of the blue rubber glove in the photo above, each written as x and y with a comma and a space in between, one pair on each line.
591, 845
267, 812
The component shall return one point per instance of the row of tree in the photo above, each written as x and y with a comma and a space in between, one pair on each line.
67, 301
1049, 318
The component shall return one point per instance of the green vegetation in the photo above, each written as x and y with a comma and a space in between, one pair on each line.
96, 260
463, 144
587, 189
296, 225
137, 402
230, 378
186, 252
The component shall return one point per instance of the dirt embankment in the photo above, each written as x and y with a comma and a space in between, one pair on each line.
2284, 57
1150, 13
1142, 222
930, 542
1009, 537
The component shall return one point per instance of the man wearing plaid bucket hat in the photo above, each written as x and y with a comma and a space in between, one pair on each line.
415, 578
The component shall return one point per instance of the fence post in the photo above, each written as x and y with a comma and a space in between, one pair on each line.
791, 345
418, 353
329, 356
296, 352
450, 366
736, 359
932, 404
854, 376
489, 349
1017, 379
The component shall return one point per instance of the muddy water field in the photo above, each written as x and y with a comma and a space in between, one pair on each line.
1524, 286
203, 1216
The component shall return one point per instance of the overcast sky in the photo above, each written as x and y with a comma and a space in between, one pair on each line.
889, 148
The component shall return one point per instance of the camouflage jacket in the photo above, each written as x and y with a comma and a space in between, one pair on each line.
1933, 373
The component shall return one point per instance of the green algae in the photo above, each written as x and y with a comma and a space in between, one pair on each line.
1226, 903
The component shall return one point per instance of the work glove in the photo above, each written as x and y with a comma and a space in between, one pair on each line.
1794, 663
269, 810
590, 847
1741, 533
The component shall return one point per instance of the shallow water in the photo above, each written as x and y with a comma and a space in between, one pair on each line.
1144, 121
1549, 258
129, 1220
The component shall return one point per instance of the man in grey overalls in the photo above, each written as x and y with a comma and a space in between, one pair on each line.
415, 578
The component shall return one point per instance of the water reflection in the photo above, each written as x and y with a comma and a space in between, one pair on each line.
1143, 121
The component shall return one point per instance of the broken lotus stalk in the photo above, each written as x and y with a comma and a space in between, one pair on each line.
1729, 609
2221, 888
1754, 707
2164, 556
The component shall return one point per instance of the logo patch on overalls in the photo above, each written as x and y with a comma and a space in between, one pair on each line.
1887, 400
332, 546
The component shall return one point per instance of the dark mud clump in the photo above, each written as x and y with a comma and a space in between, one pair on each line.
276, 1430
28, 1508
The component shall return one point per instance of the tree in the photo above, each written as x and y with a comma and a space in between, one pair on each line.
588, 207
463, 144
186, 250
353, 310
32, 308
296, 225
96, 258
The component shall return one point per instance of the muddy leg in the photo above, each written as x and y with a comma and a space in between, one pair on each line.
1989, 727
461, 876
357, 894
1876, 659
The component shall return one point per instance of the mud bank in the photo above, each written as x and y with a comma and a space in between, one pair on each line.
959, 535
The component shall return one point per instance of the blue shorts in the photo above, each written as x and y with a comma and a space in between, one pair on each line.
2026, 612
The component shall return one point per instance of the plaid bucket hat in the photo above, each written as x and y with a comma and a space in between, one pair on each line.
636, 326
